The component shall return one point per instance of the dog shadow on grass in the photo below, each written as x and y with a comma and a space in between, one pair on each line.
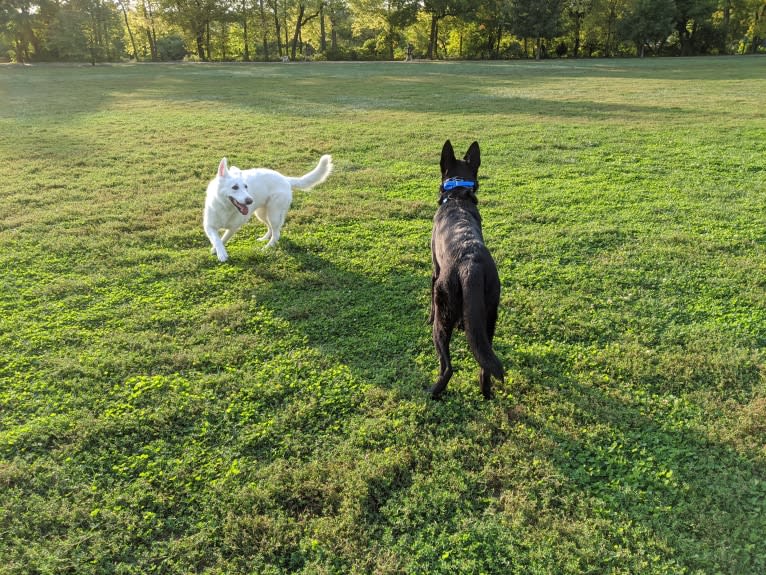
377, 327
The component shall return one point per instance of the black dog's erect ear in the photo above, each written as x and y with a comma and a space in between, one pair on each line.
473, 157
448, 157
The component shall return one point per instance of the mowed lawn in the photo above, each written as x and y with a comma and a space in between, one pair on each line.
164, 413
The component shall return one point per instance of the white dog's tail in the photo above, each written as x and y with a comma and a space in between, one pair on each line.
315, 176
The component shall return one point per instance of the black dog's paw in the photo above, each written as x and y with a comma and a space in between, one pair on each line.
435, 393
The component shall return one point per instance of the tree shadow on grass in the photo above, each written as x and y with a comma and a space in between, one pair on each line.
326, 90
636, 459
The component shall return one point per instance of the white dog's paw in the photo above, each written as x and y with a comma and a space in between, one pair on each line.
222, 255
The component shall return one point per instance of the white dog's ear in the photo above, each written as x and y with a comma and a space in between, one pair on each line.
223, 168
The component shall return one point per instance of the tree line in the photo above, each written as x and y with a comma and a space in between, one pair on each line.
265, 30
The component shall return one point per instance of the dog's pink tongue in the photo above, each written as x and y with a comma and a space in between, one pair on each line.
242, 208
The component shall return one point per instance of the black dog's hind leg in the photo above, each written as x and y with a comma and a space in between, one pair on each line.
433, 302
485, 379
434, 278
442, 333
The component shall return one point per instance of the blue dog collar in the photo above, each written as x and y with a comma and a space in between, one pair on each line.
454, 183
451, 184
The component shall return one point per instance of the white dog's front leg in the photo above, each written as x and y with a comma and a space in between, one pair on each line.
217, 242
227, 234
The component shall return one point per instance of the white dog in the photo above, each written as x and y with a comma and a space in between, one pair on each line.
234, 195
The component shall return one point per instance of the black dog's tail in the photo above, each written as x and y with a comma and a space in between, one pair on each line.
475, 323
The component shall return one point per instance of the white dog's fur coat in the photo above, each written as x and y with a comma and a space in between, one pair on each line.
234, 195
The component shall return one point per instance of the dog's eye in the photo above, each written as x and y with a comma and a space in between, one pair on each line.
235, 187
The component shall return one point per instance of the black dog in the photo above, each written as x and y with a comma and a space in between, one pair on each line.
465, 287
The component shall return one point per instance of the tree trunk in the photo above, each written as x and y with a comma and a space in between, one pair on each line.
19, 49
224, 40
200, 39
20, 44
577, 36
207, 41
322, 32
265, 37
298, 24
92, 39
760, 13
432, 39
130, 32
285, 28
151, 35
609, 31
106, 41
278, 30
246, 53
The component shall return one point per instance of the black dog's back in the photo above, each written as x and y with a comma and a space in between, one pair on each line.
465, 284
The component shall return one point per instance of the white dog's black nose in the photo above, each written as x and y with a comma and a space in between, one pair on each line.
249, 201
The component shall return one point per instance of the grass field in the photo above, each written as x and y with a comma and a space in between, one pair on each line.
164, 413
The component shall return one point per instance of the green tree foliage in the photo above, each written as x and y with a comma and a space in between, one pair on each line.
340, 20
101, 30
195, 18
693, 22
171, 48
575, 12
69, 30
440, 9
16, 22
493, 19
746, 25
537, 19
648, 23
601, 27
383, 22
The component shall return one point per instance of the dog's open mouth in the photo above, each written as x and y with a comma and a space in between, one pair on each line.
241, 207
